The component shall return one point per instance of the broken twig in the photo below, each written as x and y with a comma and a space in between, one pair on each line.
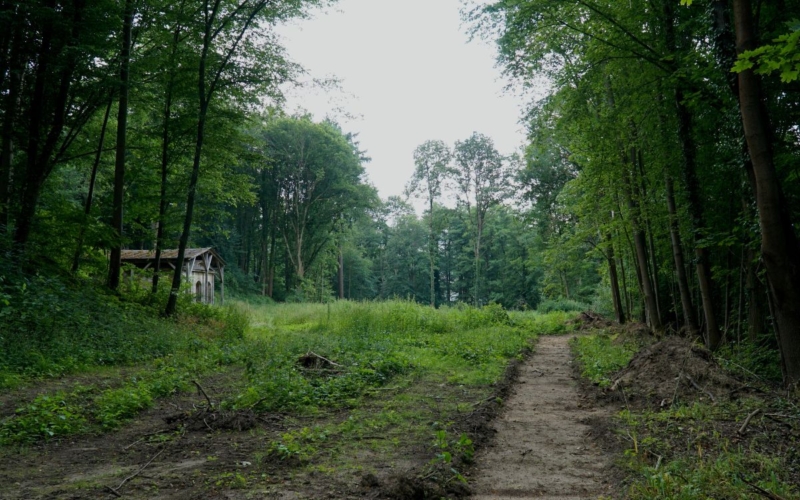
697, 386
760, 490
115, 491
747, 421
203, 391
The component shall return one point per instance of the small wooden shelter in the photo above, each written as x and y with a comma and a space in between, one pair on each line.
200, 268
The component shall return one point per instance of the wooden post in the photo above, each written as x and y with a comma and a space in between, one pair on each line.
208, 298
222, 285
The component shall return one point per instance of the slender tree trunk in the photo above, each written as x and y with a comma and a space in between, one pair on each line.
688, 151
165, 144
702, 265
272, 244
689, 318
15, 69
341, 273
87, 210
36, 170
115, 262
612, 275
649, 233
779, 247
478, 261
640, 246
625, 292
432, 252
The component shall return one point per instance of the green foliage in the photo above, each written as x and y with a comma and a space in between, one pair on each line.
782, 55
677, 453
565, 305
46, 417
115, 406
372, 344
748, 358
601, 356
299, 445
54, 326
720, 477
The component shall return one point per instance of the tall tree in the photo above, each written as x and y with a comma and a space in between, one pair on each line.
432, 161
780, 250
480, 178
115, 262
226, 28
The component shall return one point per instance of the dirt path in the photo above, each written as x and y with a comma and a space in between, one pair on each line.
542, 449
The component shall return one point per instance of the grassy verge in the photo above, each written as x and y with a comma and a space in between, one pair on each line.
368, 350
699, 449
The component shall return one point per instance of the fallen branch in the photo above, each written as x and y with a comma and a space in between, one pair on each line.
697, 386
747, 421
115, 491
760, 490
200, 388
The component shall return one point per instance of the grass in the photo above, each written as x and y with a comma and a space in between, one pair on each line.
373, 343
692, 450
602, 355
402, 384
375, 347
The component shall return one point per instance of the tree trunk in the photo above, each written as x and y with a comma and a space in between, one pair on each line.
640, 246
165, 143
341, 273
688, 151
122, 131
432, 253
87, 210
612, 274
15, 69
779, 247
689, 318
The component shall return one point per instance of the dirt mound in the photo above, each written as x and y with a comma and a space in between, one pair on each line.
675, 369
589, 320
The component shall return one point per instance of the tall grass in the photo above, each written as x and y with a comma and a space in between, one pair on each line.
372, 342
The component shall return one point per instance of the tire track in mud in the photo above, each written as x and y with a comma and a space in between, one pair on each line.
542, 449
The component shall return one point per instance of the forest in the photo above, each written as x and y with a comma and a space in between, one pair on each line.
659, 184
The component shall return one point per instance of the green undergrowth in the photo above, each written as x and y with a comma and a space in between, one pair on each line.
371, 344
93, 408
692, 449
601, 355
53, 325
366, 350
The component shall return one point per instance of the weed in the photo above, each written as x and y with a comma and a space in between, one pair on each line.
45, 417
600, 356
115, 406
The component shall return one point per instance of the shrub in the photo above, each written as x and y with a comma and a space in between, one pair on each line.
564, 305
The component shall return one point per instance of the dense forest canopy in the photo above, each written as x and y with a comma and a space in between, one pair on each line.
659, 181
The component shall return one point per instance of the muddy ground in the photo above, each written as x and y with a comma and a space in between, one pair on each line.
531, 433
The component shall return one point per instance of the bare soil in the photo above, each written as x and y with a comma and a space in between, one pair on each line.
543, 447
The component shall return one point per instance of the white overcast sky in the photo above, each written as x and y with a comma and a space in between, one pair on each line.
408, 74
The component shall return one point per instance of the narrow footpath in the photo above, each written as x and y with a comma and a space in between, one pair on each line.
542, 449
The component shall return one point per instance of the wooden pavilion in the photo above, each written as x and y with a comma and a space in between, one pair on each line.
200, 268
